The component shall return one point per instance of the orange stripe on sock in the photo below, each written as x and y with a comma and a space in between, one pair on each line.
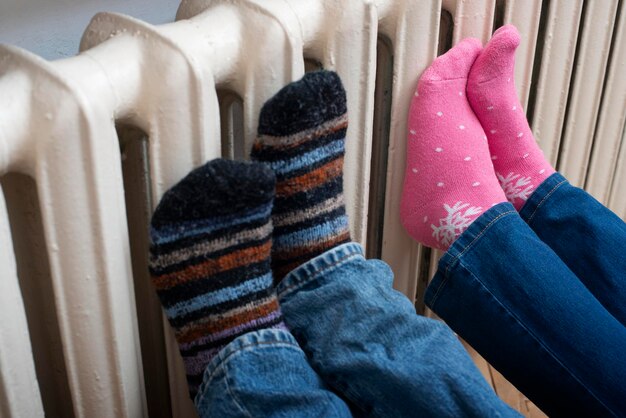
310, 249
209, 267
311, 179
221, 323
281, 270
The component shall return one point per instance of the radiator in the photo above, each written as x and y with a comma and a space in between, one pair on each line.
88, 144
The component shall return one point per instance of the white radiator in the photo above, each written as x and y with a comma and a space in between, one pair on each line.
88, 144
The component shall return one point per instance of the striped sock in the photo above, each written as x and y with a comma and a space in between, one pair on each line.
210, 259
301, 136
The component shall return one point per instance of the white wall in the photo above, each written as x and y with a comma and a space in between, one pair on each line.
52, 28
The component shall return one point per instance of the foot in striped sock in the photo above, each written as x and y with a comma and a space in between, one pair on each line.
301, 137
210, 259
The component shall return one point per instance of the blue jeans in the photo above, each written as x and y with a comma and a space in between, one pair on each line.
589, 238
265, 374
542, 296
366, 342
362, 339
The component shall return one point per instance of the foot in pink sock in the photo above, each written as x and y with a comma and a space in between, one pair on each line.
449, 179
519, 163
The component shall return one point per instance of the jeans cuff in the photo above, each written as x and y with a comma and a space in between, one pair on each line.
321, 264
540, 196
463, 244
271, 336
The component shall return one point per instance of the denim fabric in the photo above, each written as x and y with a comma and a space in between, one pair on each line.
265, 374
365, 340
588, 237
518, 304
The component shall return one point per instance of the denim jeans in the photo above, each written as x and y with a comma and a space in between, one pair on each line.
362, 339
542, 300
589, 238
265, 374
366, 342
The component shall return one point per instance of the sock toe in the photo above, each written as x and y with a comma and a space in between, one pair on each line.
316, 98
455, 63
511, 30
498, 56
215, 189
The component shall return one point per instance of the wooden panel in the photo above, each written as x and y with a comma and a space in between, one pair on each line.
513, 397
480, 362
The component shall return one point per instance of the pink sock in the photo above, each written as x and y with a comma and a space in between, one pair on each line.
519, 163
449, 179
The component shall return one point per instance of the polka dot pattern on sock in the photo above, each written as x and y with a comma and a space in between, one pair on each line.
456, 182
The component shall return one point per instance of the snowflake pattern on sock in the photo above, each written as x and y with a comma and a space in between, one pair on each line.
516, 186
455, 222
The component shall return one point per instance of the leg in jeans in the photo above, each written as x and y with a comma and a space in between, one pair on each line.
210, 265
265, 374
499, 286
362, 337
516, 302
582, 232
367, 343
587, 236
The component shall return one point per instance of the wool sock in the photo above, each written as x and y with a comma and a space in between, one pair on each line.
210, 259
449, 179
519, 163
301, 137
